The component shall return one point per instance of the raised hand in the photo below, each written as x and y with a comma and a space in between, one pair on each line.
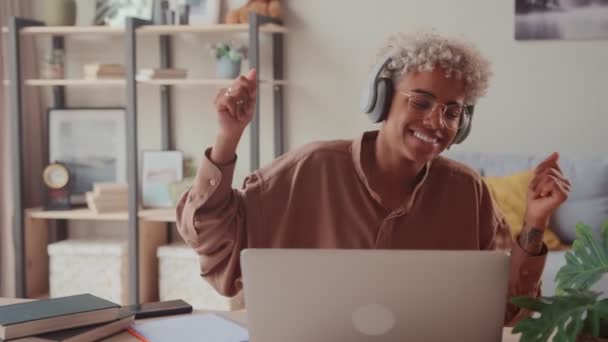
547, 191
235, 106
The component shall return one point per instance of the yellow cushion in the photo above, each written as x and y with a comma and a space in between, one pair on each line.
509, 193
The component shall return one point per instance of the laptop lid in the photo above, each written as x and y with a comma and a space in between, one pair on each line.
390, 295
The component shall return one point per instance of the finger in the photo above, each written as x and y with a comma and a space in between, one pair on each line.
243, 116
249, 84
248, 112
253, 78
227, 102
548, 185
241, 92
561, 191
219, 95
221, 103
252, 75
242, 86
551, 160
551, 171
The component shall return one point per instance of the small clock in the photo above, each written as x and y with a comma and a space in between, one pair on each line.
56, 177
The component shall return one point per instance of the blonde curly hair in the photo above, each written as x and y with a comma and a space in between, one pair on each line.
423, 50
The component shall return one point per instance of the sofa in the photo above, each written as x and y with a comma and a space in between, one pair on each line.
587, 203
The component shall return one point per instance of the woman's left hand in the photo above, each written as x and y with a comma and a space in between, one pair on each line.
548, 189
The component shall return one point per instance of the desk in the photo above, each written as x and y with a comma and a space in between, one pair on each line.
237, 316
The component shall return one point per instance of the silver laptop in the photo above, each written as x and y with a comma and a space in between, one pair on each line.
307, 295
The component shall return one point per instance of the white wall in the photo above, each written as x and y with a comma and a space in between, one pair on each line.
544, 96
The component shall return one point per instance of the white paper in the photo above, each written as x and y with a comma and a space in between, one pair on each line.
192, 328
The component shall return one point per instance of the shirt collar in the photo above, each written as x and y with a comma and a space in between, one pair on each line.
357, 150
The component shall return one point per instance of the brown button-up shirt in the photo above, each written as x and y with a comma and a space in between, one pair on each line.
319, 197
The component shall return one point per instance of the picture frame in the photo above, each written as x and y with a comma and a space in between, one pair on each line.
561, 20
160, 169
114, 12
203, 12
91, 143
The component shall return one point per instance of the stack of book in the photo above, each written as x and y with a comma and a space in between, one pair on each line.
108, 197
104, 71
74, 318
165, 73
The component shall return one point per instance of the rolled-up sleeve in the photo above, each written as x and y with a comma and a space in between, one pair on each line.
525, 270
524, 279
212, 219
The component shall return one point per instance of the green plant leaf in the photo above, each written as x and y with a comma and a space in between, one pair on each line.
586, 262
562, 317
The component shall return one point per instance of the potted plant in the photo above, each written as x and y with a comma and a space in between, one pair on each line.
229, 57
575, 313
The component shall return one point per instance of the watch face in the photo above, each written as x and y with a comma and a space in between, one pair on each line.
56, 176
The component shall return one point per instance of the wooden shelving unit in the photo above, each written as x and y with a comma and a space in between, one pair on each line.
222, 28
68, 30
75, 82
148, 29
147, 228
77, 214
151, 215
204, 82
122, 82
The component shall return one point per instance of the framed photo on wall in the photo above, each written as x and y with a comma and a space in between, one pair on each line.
561, 19
91, 142
115, 12
160, 169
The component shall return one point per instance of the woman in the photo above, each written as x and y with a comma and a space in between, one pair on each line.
386, 189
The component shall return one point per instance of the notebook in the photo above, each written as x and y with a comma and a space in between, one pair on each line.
38, 317
191, 328
87, 333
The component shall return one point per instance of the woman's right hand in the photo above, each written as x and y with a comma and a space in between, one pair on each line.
235, 105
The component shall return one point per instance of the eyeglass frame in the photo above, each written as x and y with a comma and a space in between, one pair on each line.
465, 111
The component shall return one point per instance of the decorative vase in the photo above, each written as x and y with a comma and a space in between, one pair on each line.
59, 12
228, 68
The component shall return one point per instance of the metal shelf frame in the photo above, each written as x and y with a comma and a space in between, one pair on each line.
133, 26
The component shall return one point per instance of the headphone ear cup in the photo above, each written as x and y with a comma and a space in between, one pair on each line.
369, 97
463, 133
384, 96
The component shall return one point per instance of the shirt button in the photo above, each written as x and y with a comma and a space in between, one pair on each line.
212, 182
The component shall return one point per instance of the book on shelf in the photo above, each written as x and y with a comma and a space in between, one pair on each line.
104, 71
42, 316
161, 73
106, 204
86, 333
108, 197
103, 189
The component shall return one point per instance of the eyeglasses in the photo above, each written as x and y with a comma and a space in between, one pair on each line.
453, 117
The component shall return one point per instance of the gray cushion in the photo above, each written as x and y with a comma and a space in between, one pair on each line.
588, 200
592, 212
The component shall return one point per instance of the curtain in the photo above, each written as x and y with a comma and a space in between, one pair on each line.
34, 134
